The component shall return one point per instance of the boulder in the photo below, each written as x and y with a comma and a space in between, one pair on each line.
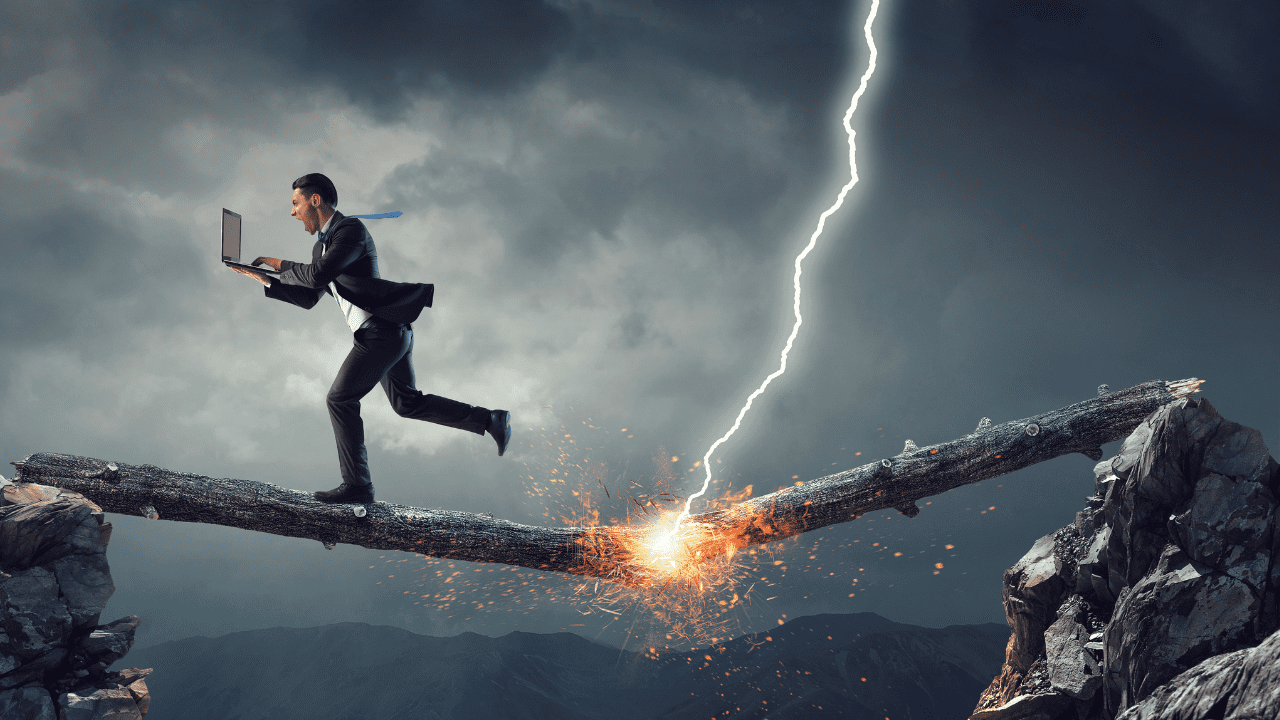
85, 581
110, 642
1032, 590
1225, 527
1073, 670
1180, 614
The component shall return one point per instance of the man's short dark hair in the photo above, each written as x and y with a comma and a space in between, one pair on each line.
317, 184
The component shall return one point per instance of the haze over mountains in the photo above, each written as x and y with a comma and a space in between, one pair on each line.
850, 666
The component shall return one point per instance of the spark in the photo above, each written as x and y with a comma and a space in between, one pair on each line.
813, 239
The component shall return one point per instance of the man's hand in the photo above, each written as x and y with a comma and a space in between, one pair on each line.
273, 263
256, 276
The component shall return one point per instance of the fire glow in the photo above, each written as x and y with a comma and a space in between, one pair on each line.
664, 548
684, 578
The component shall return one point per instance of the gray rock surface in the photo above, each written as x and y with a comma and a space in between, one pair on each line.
54, 583
110, 642
1242, 685
1169, 566
1032, 590
25, 703
1179, 614
1073, 669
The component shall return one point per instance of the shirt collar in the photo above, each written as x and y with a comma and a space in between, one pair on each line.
327, 223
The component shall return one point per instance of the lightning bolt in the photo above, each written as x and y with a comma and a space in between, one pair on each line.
813, 240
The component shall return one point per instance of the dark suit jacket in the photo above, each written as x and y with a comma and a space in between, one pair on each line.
350, 262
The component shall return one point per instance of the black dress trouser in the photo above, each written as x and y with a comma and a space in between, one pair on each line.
383, 353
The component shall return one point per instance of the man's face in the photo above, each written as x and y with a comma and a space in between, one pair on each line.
307, 210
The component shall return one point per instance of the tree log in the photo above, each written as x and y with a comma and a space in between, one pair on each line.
613, 552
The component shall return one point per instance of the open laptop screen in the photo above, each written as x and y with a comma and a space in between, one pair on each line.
230, 236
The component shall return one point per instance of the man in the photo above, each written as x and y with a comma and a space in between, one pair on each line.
344, 264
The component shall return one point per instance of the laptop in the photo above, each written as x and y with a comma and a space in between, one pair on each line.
231, 244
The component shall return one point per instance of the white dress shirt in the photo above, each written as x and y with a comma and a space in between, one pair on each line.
356, 317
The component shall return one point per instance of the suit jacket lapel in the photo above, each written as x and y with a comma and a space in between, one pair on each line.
333, 224
321, 245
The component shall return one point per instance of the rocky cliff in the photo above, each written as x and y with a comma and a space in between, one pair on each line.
54, 584
1148, 605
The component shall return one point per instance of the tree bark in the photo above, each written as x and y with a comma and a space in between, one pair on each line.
610, 552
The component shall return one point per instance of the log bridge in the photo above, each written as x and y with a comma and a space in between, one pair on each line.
608, 552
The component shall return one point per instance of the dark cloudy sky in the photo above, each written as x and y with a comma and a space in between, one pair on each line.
609, 196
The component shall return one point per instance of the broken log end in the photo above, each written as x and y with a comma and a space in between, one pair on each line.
1184, 388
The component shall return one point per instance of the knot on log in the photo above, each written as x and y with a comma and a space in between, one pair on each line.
909, 447
910, 509
109, 472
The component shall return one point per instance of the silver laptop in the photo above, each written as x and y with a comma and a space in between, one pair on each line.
231, 244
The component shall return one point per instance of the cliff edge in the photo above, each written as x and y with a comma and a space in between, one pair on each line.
1162, 599
54, 584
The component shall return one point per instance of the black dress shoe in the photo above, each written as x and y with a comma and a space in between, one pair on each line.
345, 493
500, 428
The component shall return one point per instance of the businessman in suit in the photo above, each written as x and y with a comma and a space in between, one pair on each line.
344, 265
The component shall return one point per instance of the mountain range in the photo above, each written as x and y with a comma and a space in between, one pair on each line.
847, 666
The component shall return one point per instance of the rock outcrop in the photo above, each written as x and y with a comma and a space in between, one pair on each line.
54, 584
1170, 565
